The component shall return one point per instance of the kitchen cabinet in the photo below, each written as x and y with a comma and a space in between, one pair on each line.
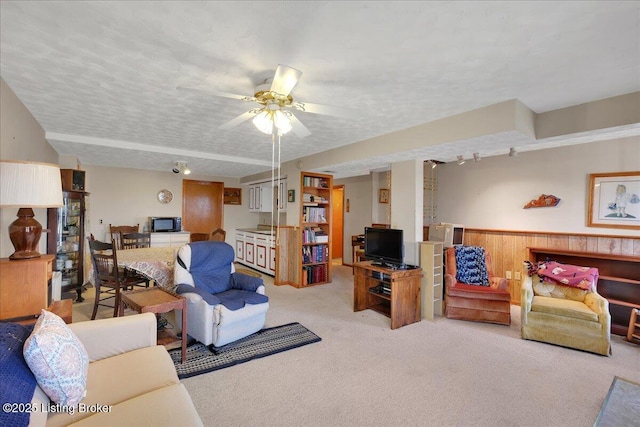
263, 196
256, 249
170, 239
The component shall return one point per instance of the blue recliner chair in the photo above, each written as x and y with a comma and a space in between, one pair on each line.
222, 305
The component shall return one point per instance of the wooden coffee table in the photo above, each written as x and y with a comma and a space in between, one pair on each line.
157, 300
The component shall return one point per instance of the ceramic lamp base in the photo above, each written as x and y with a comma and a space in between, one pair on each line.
25, 233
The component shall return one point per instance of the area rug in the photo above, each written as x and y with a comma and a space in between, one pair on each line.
202, 359
621, 407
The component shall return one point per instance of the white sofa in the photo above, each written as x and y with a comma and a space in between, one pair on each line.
129, 375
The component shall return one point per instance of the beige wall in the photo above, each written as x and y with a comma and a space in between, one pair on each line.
491, 194
21, 138
122, 196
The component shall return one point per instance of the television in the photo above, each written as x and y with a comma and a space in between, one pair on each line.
449, 234
384, 246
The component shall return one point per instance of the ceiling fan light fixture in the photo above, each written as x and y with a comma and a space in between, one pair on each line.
282, 122
263, 122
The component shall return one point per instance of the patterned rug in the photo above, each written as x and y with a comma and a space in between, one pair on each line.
621, 407
202, 359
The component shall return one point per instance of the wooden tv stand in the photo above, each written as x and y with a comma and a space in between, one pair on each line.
402, 302
618, 281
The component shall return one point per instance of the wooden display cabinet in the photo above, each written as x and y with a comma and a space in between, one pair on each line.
66, 240
315, 229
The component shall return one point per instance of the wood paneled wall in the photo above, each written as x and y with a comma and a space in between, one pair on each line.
509, 248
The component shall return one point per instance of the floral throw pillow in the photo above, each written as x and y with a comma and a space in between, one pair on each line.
470, 266
57, 359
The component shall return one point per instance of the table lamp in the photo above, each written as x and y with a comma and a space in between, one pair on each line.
28, 185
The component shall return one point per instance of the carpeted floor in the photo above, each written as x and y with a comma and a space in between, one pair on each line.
202, 359
621, 408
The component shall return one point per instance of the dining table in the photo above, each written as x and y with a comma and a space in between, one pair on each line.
156, 263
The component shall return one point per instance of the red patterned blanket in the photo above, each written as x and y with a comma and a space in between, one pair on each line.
565, 274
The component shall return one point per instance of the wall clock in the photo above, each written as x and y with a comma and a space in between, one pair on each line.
165, 196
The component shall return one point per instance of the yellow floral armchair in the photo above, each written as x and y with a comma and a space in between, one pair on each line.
565, 316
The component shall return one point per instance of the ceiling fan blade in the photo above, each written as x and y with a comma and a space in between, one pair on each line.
216, 93
298, 128
327, 110
285, 79
240, 119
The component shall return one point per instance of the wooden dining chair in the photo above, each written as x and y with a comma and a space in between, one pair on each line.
135, 240
198, 237
110, 280
218, 235
116, 230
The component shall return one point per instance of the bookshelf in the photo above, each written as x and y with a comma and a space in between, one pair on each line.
315, 229
432, 263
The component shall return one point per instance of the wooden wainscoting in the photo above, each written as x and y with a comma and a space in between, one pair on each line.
509, 248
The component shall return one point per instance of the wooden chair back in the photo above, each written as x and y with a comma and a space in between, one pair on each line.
105, 261
218, 235
135, 240
115, 231
198, 237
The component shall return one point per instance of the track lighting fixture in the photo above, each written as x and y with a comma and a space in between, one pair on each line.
513, 152
181, 167
476, 157
461, 160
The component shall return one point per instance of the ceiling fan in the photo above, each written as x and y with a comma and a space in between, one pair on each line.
276, 104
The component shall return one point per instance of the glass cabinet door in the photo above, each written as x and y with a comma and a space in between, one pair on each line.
66, 226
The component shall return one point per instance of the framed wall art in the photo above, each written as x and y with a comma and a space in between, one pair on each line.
291, 196
383, 197
614, 200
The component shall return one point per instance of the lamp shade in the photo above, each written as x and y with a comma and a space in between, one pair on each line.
30, 185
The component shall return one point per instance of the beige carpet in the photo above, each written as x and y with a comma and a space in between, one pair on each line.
432, 373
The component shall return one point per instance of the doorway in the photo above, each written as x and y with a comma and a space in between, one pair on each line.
202, 206
337, 223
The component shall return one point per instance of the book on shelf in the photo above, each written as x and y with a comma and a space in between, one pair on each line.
314, 214
312, 181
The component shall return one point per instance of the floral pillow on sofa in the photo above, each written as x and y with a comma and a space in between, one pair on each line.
471, 267
57, 359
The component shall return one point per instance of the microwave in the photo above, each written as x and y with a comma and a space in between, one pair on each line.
165, 223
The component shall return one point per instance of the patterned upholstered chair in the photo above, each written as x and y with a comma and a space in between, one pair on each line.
472, 291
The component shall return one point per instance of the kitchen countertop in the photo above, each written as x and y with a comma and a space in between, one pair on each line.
255, 230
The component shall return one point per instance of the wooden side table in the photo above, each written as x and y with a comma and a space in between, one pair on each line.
158, 300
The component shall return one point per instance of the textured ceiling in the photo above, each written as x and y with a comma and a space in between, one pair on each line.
101, 77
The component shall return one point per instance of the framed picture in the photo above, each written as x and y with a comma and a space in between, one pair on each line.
383, 196
614, 200
232, 196
291, 196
